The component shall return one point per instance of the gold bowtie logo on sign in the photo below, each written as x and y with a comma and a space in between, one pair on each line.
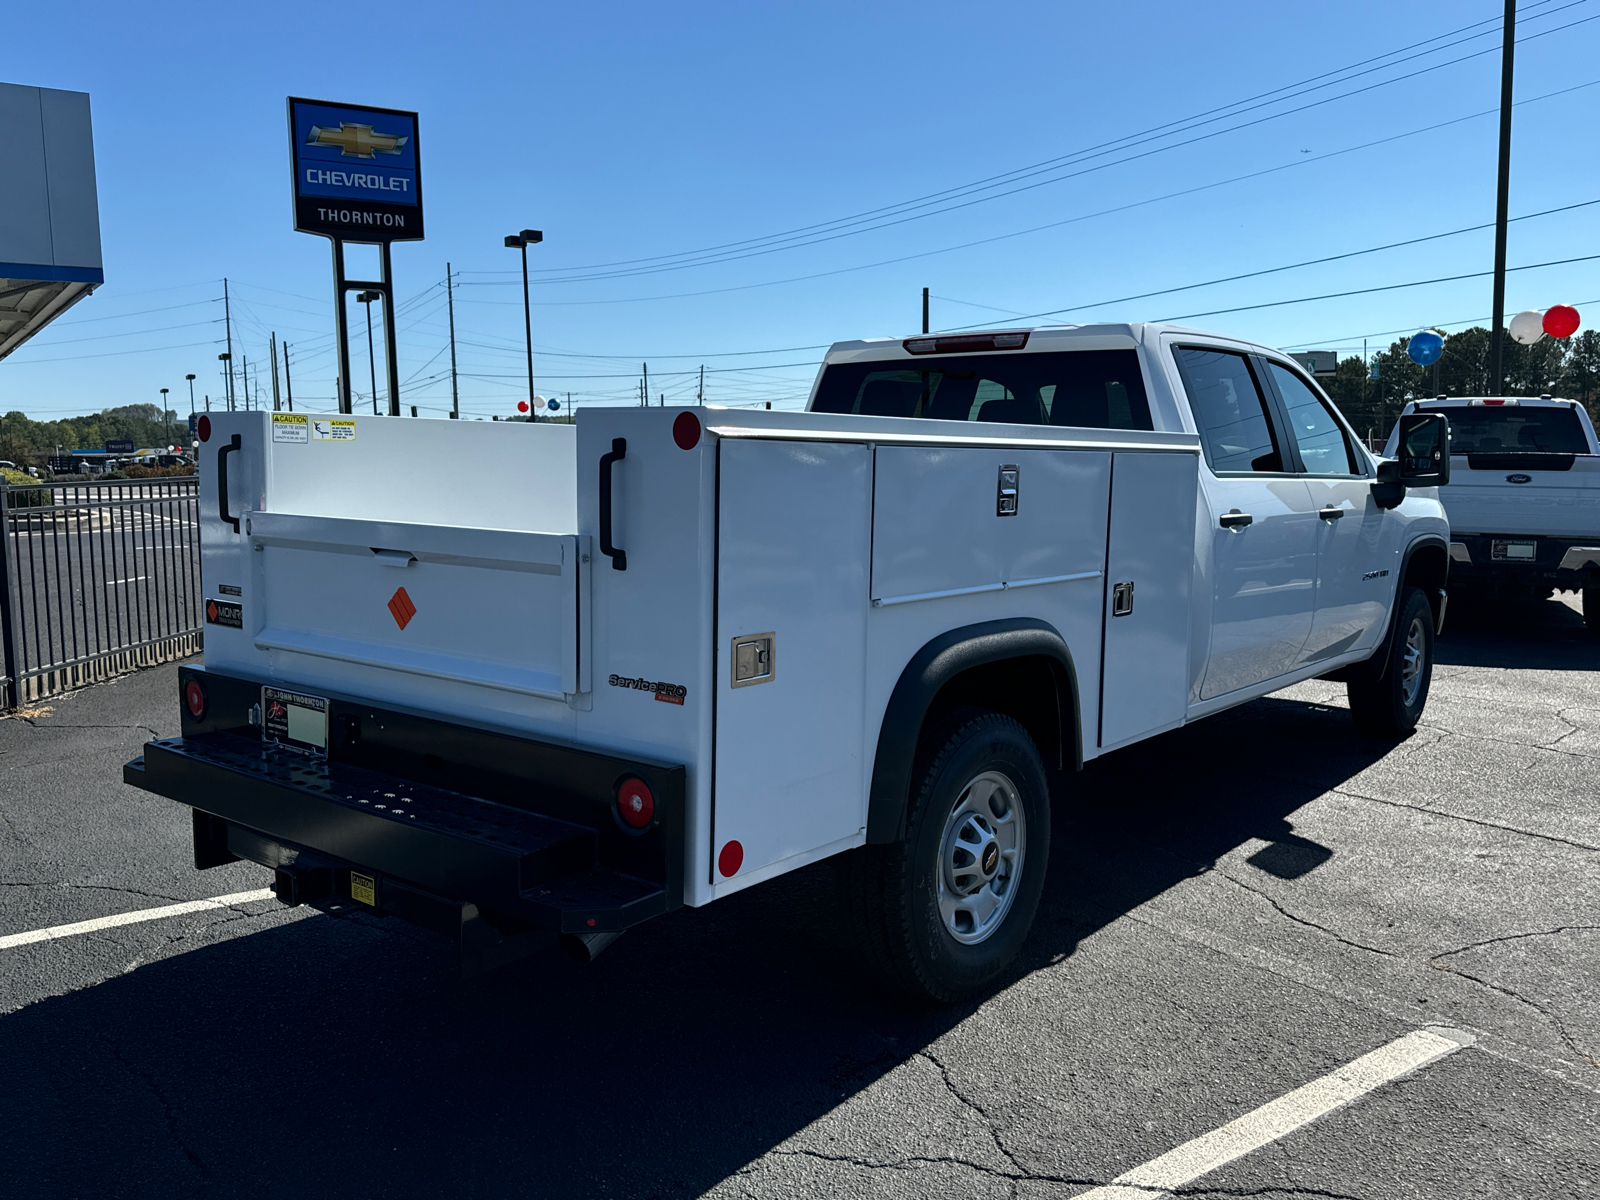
356, 141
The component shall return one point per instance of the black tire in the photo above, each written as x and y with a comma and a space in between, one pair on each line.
893, 893
1591, 609
1391, 704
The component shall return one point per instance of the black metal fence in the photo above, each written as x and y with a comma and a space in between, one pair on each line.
98, 578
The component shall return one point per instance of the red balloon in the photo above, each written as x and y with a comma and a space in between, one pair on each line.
1561, 320
522, 406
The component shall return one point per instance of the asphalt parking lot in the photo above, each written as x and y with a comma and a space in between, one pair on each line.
1234, 910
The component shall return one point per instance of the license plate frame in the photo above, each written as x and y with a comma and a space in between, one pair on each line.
1509, 550
296, 720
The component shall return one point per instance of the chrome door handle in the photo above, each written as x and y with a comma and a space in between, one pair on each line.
1235, 519
1330, 513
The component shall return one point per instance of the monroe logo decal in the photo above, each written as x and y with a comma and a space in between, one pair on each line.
667, 693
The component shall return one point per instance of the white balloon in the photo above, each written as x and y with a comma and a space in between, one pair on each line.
1527, 327
539, 401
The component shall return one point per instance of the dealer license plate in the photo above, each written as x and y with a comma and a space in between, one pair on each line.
1514, 551
294, 719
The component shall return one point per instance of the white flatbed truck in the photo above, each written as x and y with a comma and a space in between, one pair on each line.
606, 670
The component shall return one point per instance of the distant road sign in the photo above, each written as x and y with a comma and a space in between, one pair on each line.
357, 175
1318, 362
121, 446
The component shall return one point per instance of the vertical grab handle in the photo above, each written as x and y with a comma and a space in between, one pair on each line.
222, 483
618, 557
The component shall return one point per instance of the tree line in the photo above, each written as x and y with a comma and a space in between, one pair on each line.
1568, 368
27, 442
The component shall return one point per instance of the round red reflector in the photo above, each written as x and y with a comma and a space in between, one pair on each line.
686, 431
635, 805
731, 859
203, 428
194, 697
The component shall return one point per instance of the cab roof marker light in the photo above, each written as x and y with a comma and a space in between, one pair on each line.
966, 343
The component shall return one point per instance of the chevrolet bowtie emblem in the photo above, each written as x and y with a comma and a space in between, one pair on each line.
356, 141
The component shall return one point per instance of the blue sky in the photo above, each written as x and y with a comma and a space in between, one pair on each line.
639, 131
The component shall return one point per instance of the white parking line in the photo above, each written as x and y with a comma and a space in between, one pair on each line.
12, 940
1276, 1118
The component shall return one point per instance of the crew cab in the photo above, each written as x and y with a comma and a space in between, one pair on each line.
1525, 505
664, 655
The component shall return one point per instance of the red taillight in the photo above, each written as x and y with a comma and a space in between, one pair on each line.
194, 699
966, 343
731, 859
203, 428
686, 431
635, 804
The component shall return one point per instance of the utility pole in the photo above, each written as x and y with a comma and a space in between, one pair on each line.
366, 299
700, 396
1508, 45
924, 310
272, 345
644, 390
450, 303
288, 385
244, 379
227, 320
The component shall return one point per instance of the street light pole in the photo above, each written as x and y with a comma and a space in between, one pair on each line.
367, 298
521, 241
166, 419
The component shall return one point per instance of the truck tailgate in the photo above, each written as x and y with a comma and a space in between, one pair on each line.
498, 608
1516, 493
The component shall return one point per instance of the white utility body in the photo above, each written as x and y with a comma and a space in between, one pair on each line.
1095, 534
1524, 506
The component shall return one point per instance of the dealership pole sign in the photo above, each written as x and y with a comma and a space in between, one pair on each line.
357, 178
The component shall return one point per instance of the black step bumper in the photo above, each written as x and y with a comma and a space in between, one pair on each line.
1558, 562
541, 850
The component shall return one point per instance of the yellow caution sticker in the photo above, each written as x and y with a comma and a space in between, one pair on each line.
332, 429
289, 427
364, 888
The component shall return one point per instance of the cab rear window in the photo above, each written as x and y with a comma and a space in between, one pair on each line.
1085, 389
1510, 430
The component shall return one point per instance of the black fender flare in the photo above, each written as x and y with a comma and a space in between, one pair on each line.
933, 666
1379, 662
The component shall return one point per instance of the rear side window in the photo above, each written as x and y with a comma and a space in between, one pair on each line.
1085, 389
1509, 430
1230, 411
1323, 447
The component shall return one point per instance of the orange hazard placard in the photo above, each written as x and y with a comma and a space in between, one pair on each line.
401, 608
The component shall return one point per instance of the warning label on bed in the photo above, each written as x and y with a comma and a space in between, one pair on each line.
329, 429
289, 427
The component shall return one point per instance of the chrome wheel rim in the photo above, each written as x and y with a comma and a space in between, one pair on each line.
980, 857
1411, 666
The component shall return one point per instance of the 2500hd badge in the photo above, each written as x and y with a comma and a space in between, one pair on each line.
667, 693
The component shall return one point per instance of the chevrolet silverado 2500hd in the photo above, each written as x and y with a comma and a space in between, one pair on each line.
665, 654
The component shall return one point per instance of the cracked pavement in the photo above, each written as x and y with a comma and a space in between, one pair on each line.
1233, 910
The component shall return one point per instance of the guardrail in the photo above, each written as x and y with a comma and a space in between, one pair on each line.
96, 578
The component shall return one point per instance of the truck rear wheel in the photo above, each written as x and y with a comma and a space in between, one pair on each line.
944, 912
1591, 608
1390, 705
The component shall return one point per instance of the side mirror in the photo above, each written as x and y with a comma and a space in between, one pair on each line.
1424, 451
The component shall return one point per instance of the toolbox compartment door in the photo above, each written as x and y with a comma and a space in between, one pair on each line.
496, 608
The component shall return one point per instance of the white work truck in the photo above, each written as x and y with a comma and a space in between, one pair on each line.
1525, 505
504, 679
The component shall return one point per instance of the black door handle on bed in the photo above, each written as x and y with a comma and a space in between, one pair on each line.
222, 483
618, 557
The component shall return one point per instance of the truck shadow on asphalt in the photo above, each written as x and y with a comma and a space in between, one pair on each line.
1531, 635
342, 1056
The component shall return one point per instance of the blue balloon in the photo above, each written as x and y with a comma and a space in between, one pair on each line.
1425, 348
553, 405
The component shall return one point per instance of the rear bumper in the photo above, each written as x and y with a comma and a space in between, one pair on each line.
1558, 562
458, 826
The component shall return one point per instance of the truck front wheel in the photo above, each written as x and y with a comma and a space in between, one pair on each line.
945, 911
1391, 704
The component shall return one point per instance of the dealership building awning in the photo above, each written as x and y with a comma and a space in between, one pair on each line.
49, 209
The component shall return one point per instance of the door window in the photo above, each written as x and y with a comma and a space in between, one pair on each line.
1324, 449
1230, 411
